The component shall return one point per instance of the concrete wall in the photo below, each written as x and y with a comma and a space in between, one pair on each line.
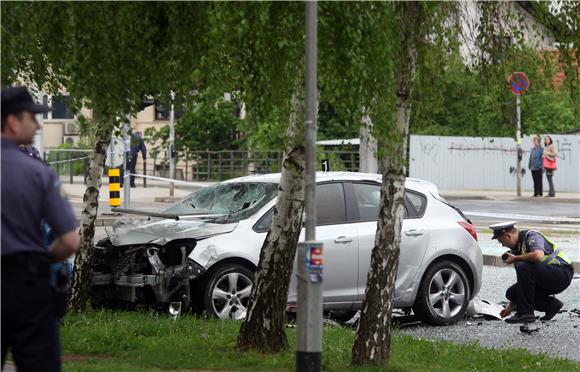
468, 163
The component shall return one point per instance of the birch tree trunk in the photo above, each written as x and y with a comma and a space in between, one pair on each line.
263, 328
79, 296
373, 340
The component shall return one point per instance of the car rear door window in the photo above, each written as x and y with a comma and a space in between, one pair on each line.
367, 199
330, 205
416, 202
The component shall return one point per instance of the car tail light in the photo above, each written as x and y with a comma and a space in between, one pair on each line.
470, 229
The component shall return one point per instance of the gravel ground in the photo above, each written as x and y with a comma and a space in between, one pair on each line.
559, 337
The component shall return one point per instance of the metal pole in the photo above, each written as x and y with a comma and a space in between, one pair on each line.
309, 329
172, 145
127, 174
144, 173
518, 145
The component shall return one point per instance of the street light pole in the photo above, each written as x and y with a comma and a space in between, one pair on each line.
172, 153
310, 259
127, 174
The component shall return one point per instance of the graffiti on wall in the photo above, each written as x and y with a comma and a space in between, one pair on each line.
487, 162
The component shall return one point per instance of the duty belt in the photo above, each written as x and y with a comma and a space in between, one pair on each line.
26, 264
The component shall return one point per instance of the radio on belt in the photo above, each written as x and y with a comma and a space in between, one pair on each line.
314, 262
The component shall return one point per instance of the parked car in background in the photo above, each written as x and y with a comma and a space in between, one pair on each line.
203, 251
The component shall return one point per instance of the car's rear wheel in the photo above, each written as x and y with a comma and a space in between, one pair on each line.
443, 294
228, 290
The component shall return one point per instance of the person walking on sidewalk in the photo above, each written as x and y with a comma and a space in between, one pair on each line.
549, 163
535, 165
31, 193
542, 270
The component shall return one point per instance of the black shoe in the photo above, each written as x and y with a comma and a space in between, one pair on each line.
553, 311
521, 318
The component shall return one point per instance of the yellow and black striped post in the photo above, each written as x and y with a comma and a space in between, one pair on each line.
114, 187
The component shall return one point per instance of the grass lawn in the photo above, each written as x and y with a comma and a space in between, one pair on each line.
123, 341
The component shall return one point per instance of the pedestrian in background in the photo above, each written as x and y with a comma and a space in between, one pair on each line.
535, 165
137, 144
30, 193
549, 163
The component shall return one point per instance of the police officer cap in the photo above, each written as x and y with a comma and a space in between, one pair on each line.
502, 227
17, 99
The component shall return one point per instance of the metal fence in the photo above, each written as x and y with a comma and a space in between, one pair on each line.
68, 163
198, 165
460, 163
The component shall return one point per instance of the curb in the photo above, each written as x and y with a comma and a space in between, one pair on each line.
489, 260
508, 198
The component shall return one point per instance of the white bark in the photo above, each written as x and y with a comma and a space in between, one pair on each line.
373, 341
263, 329
82, 279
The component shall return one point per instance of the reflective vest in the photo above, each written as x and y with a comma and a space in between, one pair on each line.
551, 259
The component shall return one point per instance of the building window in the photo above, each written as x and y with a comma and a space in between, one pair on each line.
161, 113
61, 107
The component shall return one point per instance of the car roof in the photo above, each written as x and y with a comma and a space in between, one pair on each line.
411, 183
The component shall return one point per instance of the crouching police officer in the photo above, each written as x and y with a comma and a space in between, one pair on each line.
30, 194
542, 270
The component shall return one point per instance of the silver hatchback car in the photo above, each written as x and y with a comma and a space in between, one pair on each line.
204, 250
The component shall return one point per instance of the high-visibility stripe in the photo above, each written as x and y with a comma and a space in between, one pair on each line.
114, 187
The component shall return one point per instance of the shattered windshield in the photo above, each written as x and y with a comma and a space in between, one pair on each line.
234, 200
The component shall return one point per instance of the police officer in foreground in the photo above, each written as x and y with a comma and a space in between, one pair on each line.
31, 193
542, 270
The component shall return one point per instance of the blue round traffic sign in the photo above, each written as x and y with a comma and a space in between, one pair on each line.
519, 83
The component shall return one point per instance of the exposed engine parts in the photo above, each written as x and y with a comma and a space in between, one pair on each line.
143, 275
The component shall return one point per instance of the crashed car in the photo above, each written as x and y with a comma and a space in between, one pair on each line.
203, 251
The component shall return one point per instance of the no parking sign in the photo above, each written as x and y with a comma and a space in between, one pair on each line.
519, 83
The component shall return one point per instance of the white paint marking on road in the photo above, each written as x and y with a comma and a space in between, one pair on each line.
525, 217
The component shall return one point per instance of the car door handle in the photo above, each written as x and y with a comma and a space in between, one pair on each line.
414, 232
343, 240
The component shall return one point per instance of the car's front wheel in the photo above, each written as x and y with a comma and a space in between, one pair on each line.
443, 295
228, 290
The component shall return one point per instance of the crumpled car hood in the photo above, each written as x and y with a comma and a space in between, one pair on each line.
127, 231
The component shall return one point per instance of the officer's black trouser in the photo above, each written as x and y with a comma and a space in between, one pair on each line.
29, 324
536, 283
538, 184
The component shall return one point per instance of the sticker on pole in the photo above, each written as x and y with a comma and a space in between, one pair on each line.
519, 83
314, 262
115, 153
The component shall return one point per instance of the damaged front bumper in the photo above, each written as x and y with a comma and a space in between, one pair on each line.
143, 275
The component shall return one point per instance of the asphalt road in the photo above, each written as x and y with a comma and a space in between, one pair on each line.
542, 208
559, 337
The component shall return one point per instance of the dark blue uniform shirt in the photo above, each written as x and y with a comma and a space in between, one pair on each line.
534, 241
31, 193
